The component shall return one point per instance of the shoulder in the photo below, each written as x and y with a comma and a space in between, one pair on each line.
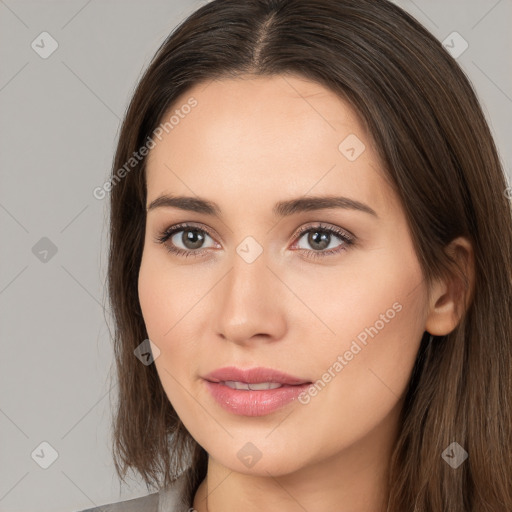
168, 499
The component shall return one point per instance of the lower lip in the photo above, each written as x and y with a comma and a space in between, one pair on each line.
254, 403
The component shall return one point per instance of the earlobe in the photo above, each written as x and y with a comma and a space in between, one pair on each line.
451, 295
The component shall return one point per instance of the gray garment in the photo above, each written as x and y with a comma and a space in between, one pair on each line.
169, 499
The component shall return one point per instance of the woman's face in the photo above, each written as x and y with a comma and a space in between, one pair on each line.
277, 272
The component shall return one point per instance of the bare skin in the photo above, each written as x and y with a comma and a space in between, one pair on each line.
248, 144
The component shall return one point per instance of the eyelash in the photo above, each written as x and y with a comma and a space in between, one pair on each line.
348, 240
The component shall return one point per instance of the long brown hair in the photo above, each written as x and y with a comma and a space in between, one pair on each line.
439, 155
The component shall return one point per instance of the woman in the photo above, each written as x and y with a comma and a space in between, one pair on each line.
310, 258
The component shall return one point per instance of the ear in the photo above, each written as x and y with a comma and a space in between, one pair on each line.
451, 295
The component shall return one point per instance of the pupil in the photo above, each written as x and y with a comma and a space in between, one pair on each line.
322, 239
192, 239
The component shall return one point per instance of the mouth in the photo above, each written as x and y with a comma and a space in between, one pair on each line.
253, 392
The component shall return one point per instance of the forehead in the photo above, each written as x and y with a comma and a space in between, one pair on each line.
264, 137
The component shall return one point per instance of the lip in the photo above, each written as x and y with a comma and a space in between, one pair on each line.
253, 402
253, 375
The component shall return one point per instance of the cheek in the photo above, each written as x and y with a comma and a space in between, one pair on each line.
374, 306
152, 299
378, 317
170, 304
166, 297
371, 296
162, 307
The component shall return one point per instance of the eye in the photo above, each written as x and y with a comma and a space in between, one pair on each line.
186, 240
322, 240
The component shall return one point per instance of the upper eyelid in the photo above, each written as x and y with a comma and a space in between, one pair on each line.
327, 227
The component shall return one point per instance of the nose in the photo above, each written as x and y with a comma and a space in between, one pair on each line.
250, 304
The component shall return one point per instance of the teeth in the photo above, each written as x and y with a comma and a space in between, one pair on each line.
233, 384
264, 385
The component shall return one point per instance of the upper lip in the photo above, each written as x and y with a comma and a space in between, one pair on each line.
253, 375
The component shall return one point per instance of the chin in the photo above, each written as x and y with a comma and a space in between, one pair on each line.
259, 457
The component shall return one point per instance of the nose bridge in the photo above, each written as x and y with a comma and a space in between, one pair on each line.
249, 304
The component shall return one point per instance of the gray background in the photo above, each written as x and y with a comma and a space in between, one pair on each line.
60, 118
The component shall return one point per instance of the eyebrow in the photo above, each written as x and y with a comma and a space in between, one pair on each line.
281, 209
